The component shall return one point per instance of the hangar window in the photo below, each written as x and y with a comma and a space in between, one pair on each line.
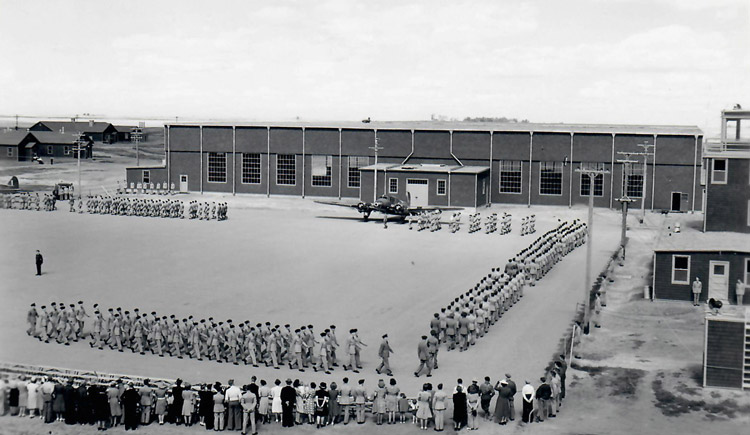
146, 177
598, 179
632, 181
719, 171
321, 170
217, 167
393, 185
286, 169
681, 269
353, 165
510, 176
550, 178
441, 189
251, 168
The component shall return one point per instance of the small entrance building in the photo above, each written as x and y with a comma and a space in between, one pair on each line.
427, 184
718, 259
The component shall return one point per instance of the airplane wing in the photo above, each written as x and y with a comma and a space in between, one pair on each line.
340, 204
417, 210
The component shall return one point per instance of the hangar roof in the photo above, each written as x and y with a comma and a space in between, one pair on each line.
525, 127
691, 240
453, 169
676, 130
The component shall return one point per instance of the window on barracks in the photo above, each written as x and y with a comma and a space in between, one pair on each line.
321, 170
632, 181
393, 185
66, 150
250, 168
353, 165
510, 176
719, 171
10, 152
217, 167
598, 179
286, 169
441, 189
146, 176
550, 178
50, 150
680, 269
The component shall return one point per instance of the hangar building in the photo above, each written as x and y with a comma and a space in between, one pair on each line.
523, 163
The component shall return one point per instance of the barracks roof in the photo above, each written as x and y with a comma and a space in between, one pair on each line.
12, 137
521, 127
69, 126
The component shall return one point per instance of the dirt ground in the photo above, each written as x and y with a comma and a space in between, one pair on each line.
288, 260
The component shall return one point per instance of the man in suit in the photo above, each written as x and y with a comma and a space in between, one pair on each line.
423, 352
384, 352
288, 401
39, 261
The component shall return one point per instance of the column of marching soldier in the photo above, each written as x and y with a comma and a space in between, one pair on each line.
27, 201
430, 220
470, 315
219, 341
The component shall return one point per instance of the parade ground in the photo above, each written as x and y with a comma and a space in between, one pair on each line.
285, 260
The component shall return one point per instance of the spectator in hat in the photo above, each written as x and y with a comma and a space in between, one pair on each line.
502, 406
512, 398
288, 401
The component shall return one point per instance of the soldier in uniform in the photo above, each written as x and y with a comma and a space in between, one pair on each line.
384, 352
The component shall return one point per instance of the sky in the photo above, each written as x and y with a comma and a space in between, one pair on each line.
576, 61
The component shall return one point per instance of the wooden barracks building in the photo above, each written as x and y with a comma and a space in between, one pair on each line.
456, 163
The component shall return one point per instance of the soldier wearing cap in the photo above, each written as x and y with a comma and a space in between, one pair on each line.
384, 352
31, 318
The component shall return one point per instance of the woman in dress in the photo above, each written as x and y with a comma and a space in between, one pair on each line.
391, 401
438, 406
188, 404
333, 404
160, 408
275, 396
58, 400
502, 406
321, 405
115, 411
378, 406
472, 401
459, 408
23, 395
264, 403
310, 403
130, 400
206, 406
32, 397
300, 401
423, 407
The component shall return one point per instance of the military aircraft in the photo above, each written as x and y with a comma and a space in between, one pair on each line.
388, 205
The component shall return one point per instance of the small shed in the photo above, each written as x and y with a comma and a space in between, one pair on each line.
726, 351
429, 184
718, 259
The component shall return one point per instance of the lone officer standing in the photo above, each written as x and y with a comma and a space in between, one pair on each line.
39, 261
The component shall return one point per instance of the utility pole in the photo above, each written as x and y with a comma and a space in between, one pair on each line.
645, 154
375, 148
592, 174
136, 134
80, 142
624, 199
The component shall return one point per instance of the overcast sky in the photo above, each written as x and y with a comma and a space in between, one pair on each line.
576, 61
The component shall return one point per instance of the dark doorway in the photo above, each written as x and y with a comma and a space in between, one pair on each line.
676, 196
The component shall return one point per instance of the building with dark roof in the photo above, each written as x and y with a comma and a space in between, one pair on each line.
727, 166
525, 163
98, 131
22, 145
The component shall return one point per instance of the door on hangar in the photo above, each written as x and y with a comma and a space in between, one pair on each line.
417, 190
679, 201
718, 280
183, 183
